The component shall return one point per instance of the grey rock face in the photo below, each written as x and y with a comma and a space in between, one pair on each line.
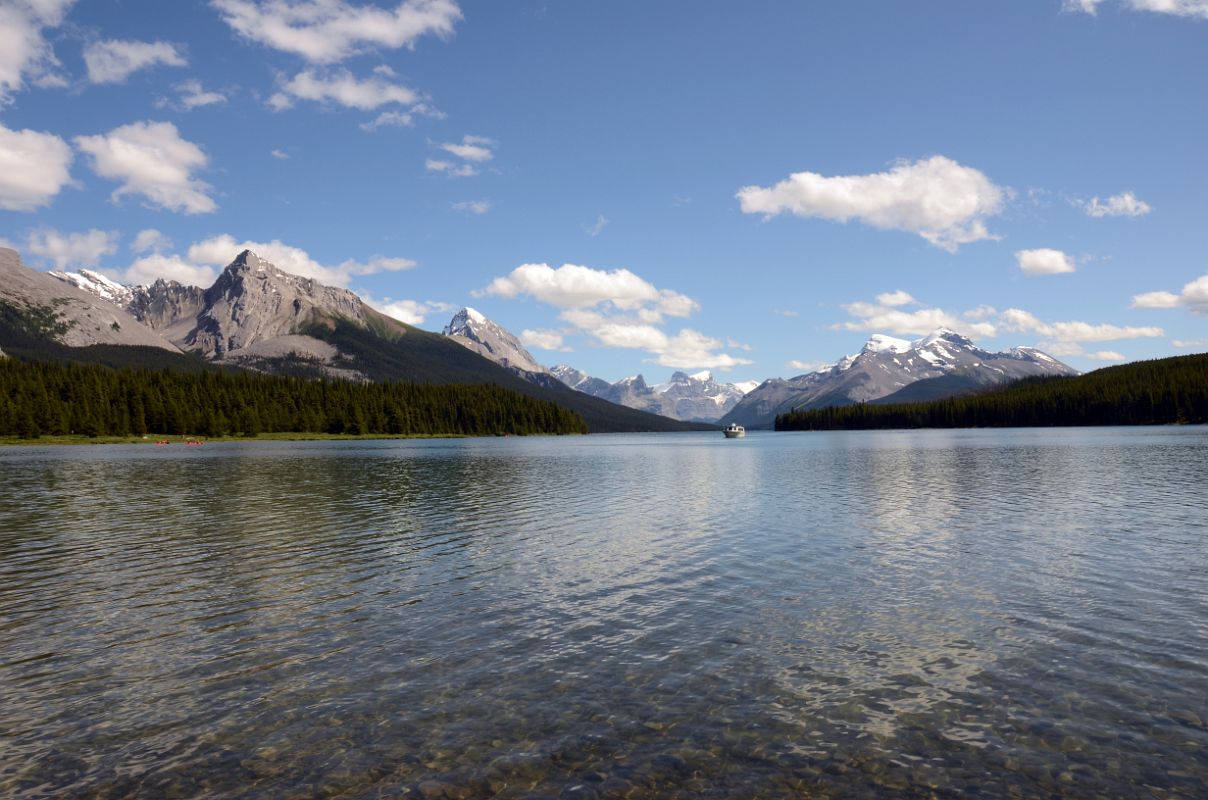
472, 330
86, 317
168, 307
886, 365
687, 397
253, 301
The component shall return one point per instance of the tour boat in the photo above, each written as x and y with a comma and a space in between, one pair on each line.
735, 431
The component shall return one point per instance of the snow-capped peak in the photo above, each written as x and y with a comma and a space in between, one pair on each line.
474, 315
97, 284
703, 375
880, 343
942, 335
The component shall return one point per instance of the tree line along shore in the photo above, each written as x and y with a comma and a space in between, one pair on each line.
53, 399
1159, 392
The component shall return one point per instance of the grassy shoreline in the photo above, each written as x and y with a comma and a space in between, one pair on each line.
6, 441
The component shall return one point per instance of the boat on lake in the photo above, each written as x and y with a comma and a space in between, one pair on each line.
734, 431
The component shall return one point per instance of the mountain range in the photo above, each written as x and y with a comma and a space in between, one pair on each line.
696, 398
887, 369
259, 317
256, 316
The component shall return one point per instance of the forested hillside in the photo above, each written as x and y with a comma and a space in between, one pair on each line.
51, 398
1159, 392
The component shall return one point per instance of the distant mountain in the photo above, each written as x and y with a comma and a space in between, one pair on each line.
689, 397
887, 365
259, 317
472, 330
685, 397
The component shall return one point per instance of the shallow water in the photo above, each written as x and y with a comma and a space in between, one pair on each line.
952, 613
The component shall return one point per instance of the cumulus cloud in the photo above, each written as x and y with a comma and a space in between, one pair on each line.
1196, 9
1193, 297
617, 309
150, 268
471, 148
473, 206
1106, 355
412, 312
807, 366
280, 155
201, 262
218, 251
575, 286
1183, 343
898, 298
1044, 261
342, 88
24, 52
544, 340
401, 119
191, 94
937, 198
115, 60
985, 321
72, 250
150, 240
449, 168
1125, 204
328, 31
151, 159
34, 167
1019, 321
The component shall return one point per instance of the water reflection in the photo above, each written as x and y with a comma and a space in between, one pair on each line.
988, 613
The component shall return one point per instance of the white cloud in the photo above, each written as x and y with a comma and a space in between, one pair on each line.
1156, 300
343, 88
1179, 8
473, 206
985, 321
937, 198
193, 95
1193, 297
898, 298
24, 52
807, 366
574, 286
150, 239
33, 168
328, 31
881, 317
1107, 355
471, 148
72, 250
1044, 261
1020, 321
151, 268
618, 309
1085, 6
151, 159
280, 155
412, 312
596, 227
115, 60
544, 340
785, 312
218, 251
449, 168
1125, 204
1189, 342
402, 119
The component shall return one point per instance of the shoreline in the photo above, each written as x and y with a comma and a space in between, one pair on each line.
78, 440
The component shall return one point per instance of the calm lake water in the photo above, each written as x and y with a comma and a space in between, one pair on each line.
952, 613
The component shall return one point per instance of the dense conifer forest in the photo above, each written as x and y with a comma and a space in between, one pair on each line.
41, 398
1159, 392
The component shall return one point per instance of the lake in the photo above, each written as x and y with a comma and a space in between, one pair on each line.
956, 613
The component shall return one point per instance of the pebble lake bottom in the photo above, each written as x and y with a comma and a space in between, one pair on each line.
989, 613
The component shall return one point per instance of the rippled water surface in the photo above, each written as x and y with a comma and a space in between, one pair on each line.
969, 613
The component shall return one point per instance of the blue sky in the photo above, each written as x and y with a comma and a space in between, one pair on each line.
634, 186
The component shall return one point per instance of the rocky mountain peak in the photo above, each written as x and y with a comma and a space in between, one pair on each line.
472, 329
